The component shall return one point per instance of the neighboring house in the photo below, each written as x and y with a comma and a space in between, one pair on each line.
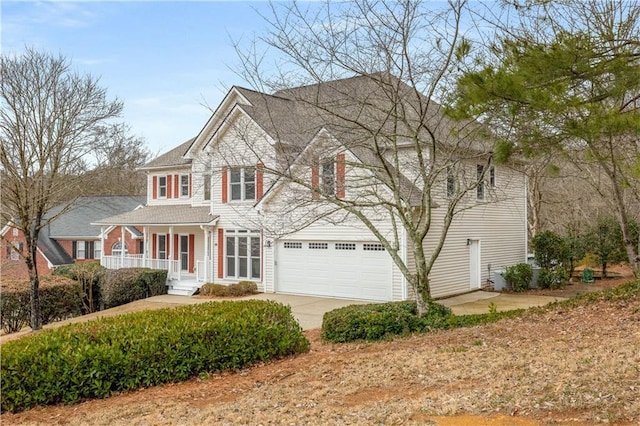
213, 211
71, 238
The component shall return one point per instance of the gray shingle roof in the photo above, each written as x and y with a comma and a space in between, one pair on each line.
77, 221
162, 215
175, 157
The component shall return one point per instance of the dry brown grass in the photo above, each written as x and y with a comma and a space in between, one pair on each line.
569, 366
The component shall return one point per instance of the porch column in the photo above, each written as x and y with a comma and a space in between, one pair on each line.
122, 245
171, 249
206, 255
102, 245
145, 243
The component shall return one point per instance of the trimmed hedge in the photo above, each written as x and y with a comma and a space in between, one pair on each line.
60, 298
379, 321
109, 355
90, 275
242, 288
126, 285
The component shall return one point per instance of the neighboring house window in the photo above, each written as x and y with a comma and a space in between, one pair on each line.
12, 253
328, 178
492, 177
207, 187
15, 232
162, 186
242, 183
451, 182
242, 254
80, 250
184, 185
162, 246
116, 249
97, 249
480, 187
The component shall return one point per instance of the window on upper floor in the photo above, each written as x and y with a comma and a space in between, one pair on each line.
492, 177
480, 177
451, 182
162, 186
207, 187
242, 183
328, 177
184, 185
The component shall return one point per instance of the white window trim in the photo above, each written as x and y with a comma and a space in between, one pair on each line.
81, 250
183, 186
324, 185
250, 235
160, 186
243, 184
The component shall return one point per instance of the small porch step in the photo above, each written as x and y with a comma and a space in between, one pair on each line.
182, 288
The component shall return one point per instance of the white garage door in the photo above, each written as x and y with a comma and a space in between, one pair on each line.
334, 268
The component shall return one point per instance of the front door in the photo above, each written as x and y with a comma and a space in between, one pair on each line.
184, 252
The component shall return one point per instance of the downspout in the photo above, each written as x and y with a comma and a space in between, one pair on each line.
526, 219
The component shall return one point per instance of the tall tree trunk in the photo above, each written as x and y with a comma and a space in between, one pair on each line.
36, 321
421, 285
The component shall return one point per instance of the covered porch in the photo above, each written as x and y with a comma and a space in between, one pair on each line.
176, 238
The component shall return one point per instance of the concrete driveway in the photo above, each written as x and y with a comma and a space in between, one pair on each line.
309, 310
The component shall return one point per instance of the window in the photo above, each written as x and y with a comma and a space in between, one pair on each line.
492, 177
207, 187
451, 182
372, 247
480, 187
318, 246
15, 232
328, 178
97, 249
184, 185
80, 250
345, 246
242, 254
162, 246
116, 249
162, 186
242, 183
14, 253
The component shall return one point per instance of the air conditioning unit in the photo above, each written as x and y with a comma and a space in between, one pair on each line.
499, 283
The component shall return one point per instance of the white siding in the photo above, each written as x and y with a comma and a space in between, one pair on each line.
499, 224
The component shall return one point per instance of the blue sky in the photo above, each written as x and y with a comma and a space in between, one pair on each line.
164, 59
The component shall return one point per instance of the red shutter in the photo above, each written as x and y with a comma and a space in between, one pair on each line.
340, 176
192, 251
315, 181
224, 185
176, 246
155, 187
176, 186
154, 246
259, 180
220, 253
169, 186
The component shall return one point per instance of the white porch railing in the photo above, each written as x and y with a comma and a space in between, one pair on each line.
137, 261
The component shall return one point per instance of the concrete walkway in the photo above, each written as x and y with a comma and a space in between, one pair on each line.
309, 310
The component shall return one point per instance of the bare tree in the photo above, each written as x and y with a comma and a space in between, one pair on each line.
373, 72
49, 119
117, 156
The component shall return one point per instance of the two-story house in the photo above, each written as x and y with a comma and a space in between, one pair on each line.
246, 199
